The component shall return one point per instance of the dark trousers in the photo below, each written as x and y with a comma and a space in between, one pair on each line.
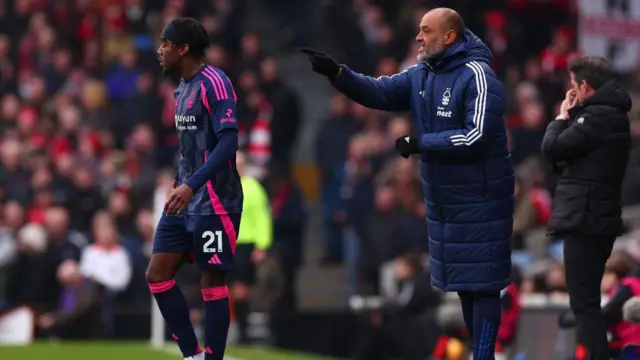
584, 261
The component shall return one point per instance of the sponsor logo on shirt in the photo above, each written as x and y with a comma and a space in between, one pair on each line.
443, 113
228, 117
185, 122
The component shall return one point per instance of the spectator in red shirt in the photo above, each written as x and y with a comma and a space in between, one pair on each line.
559, 53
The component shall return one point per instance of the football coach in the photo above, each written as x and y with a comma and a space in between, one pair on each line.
459, 135
588, 144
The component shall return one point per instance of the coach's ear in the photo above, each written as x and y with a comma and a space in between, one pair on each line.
450, 37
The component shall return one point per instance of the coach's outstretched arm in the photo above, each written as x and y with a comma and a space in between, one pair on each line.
389, 93
484, 119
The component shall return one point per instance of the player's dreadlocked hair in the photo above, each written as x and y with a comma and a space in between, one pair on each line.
188, 31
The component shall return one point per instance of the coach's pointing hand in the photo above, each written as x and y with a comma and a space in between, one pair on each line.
322, 63
407, 145
178, 199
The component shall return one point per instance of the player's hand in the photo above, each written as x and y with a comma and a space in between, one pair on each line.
258, 255
407, 145
178, 199
322, 63
174, 184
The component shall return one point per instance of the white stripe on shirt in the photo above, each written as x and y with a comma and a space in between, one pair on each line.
479, 108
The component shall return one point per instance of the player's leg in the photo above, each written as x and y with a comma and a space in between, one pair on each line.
487, 312
169, 246
214, 247
216, 312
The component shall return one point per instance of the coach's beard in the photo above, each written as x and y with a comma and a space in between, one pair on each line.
432, 53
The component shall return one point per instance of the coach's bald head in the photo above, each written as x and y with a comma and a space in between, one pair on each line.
439, 28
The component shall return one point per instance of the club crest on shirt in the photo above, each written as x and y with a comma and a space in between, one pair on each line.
191, 99
442, 110
446, 97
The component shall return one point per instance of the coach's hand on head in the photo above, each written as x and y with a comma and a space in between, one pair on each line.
322, 63
407, 145
178, 199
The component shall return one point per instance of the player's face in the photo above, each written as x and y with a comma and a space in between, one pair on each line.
430, 38
169, 56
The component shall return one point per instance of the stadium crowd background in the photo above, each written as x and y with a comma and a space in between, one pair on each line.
87, 136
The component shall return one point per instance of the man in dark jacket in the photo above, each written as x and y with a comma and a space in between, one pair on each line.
457, 105
588, 143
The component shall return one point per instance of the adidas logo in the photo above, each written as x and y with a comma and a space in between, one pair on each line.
215, 260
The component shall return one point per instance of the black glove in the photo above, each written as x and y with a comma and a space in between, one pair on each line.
407, 145
322, 63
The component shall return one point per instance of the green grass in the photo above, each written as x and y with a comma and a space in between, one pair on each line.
127, 351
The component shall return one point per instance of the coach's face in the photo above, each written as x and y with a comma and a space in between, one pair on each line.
580, 88
432, 37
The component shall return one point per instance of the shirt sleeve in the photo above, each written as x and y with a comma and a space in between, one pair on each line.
219, 100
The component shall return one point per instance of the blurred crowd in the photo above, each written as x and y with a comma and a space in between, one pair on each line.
87, 138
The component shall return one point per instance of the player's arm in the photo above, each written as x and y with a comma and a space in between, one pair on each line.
484, 104
390, 93
221, 105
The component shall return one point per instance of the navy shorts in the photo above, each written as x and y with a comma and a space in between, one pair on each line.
210, 240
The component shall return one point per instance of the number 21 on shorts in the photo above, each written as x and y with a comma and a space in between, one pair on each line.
213, 243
